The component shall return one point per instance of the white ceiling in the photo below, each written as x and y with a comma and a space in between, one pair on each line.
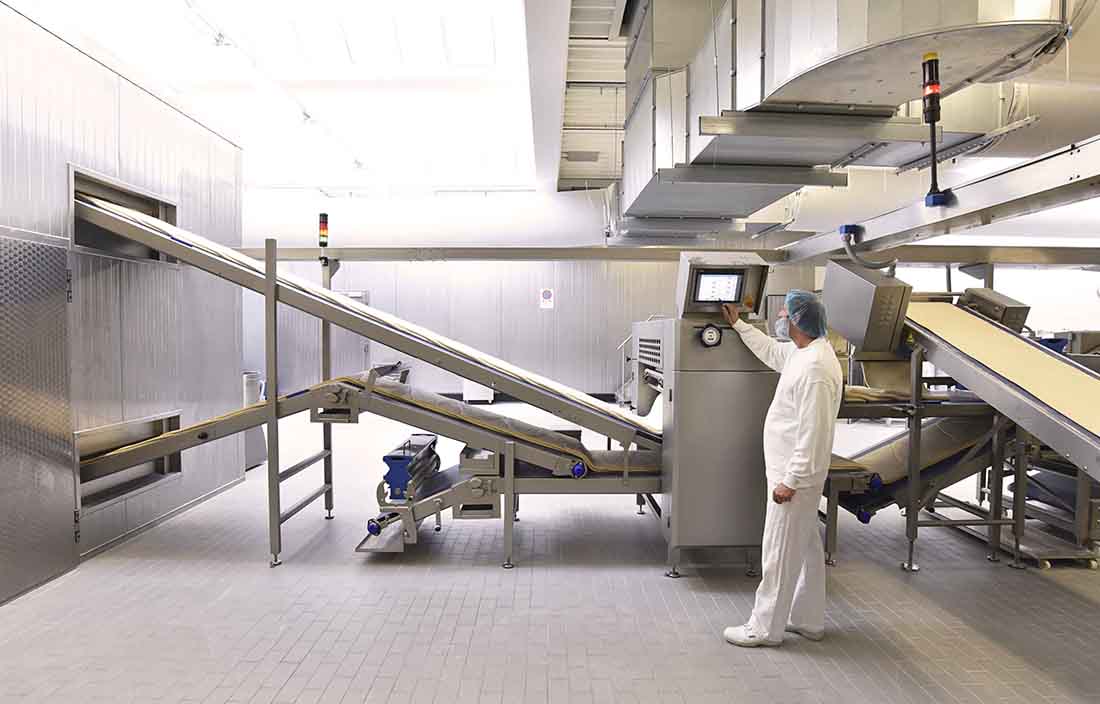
365, 96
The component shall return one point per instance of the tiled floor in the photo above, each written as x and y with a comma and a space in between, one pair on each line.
190, 612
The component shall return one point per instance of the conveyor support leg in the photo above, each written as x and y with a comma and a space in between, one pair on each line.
996, 489
1019, 496
912, 510
509, 502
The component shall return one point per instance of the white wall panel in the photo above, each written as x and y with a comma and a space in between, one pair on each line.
444, 219
153, 141
494, 307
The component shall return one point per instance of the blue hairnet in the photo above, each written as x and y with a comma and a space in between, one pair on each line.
807, 312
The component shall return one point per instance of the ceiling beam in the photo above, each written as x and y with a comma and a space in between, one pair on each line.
1005, 256
539, 254
1059, 178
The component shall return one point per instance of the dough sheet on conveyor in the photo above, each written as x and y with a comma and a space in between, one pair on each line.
1051, 379
479, 416
376, 316
940, 439
868, 394
843, 464
595, 460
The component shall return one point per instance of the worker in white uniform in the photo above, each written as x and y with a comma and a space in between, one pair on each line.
798, 445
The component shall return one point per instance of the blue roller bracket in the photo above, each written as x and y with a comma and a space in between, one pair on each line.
864, 515
876, 482
398, 477
375, 525
579, 470
400, 461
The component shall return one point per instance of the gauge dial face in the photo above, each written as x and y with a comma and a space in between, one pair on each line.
711, 336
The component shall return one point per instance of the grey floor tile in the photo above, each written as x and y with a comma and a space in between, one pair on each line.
190, 612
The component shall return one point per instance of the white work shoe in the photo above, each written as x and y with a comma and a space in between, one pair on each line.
744, 637
805, 632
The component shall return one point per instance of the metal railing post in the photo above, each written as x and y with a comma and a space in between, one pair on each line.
271, 346
328, 268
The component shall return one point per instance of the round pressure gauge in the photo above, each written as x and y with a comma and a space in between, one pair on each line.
710, 336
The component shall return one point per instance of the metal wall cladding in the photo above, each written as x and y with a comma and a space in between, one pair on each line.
209, 177
493, 307
56, 107
149, 303
145, 337
36, 461
97, 341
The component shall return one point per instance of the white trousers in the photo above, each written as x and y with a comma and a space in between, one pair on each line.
792, 586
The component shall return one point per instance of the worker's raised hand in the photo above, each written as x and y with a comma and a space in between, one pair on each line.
782, 494
731, 312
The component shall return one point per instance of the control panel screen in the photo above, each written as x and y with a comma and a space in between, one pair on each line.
718, 286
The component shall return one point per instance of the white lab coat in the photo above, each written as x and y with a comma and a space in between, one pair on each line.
798, 446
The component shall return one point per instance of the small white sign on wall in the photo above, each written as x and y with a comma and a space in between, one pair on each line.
546, 298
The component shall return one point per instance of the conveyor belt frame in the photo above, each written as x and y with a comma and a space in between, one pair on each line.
1051, 427
620, 430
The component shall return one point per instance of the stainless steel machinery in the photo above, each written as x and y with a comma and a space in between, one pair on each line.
503, 457
713, 394
975, 344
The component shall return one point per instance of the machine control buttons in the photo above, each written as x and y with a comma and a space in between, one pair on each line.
710, 336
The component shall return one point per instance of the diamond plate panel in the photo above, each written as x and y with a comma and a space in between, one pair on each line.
36, 470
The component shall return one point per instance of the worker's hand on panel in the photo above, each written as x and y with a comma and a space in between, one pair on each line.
782, 494
731, 312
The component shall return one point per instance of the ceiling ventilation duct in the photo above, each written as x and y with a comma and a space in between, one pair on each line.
828, 55
809, 85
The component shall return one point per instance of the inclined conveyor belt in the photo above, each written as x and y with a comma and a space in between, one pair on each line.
1046, 393
476, 425
413, 340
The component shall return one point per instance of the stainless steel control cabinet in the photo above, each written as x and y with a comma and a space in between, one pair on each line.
714, 401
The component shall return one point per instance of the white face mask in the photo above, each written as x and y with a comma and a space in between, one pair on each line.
783, 328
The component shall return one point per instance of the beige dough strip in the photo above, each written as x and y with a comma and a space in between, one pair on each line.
1068, 390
